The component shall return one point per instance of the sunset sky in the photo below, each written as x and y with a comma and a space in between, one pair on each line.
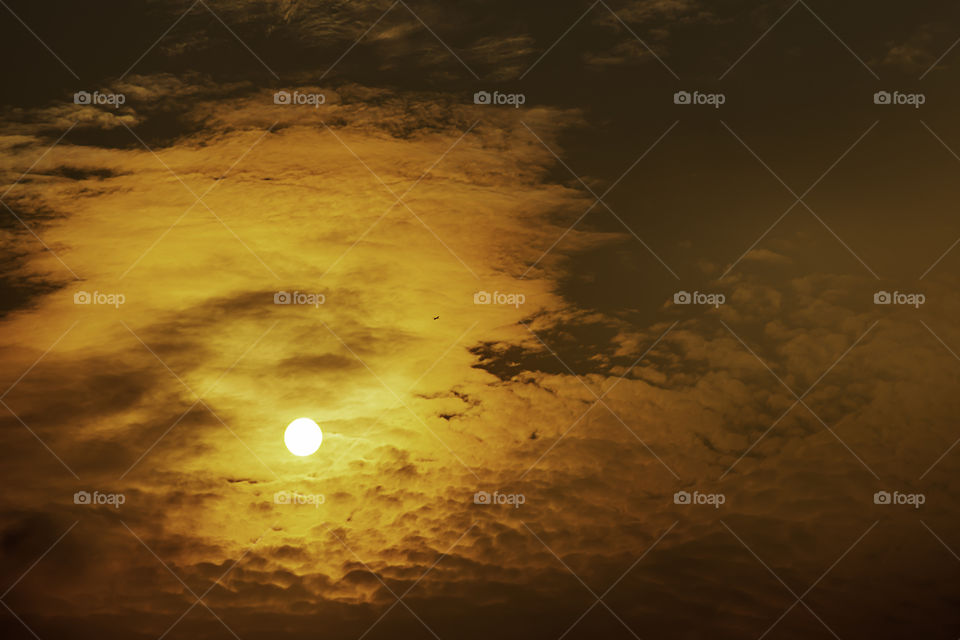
528, 432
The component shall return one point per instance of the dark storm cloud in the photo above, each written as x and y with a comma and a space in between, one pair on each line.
19, 293
257, 39
263, 41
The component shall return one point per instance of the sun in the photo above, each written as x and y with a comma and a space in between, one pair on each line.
303, 437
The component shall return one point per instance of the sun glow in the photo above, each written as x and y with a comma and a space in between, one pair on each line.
303, 437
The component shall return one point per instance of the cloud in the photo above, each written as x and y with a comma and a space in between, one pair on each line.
398, 205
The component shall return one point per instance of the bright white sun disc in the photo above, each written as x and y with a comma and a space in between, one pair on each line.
303, 437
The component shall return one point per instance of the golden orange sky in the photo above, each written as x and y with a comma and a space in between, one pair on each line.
497, 311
